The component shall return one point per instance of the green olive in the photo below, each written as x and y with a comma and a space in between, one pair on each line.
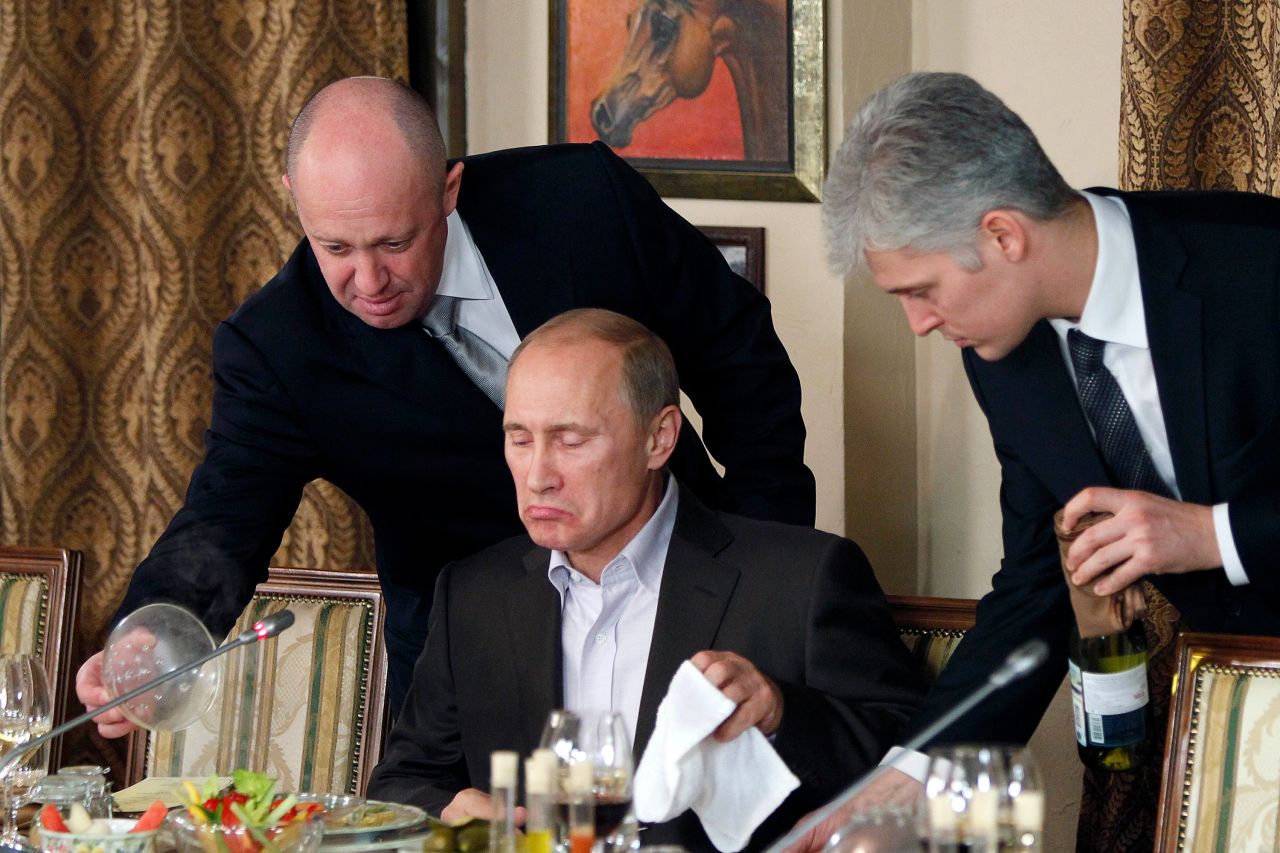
473, 838
440, 840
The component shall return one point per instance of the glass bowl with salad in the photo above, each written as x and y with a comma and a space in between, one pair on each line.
247, 816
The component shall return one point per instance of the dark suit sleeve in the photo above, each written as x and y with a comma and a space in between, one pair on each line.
424, 763
730, 360
860, 683
241, 497
1028, 599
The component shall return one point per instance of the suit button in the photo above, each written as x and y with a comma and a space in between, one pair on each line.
1231, 605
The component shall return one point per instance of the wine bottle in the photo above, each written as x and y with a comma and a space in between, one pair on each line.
1110, 698
502, 791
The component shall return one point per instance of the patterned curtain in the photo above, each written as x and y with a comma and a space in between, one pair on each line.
1199, 109
1200, 95
141, 146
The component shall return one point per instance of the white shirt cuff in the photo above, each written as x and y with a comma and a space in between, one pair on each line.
1227, 546
914, 764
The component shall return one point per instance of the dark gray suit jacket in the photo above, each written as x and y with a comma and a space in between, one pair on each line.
1209, 265
802, 605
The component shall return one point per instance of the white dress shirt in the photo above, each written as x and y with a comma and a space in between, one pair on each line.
606, 628
464, 276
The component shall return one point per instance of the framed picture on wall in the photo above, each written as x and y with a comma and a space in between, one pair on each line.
743, 248
707, 98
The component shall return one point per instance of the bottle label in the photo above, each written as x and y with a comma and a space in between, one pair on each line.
1109, 707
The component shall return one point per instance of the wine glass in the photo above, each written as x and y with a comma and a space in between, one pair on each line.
1023, 821
605, 743
26, 712
149, 642
962, 796
560, 735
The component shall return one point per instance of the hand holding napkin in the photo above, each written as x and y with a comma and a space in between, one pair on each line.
732, 787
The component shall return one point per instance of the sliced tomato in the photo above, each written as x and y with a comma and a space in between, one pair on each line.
50, 818
151, 818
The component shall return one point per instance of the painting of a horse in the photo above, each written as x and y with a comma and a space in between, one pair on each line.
670, 53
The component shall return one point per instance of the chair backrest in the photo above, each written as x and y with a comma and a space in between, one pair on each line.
39, 591
1221, 788
932, 627
307, 707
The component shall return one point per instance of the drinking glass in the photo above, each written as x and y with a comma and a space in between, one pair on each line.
607, 746
154, 640
962, 796
1022, 822
26, 712
603, 740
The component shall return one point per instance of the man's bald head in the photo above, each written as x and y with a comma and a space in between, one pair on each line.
360, 106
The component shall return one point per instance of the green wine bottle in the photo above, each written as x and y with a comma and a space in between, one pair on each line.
1110, 699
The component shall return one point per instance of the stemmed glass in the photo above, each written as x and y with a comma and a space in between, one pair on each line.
601, 739
962, 797
606, 744
1022, 822
25, 713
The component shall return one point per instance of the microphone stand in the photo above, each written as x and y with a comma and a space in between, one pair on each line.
261, 630
1021, 661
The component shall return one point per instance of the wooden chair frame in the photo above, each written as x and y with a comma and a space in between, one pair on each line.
925, 613
61, 567
295, 582
1195, 650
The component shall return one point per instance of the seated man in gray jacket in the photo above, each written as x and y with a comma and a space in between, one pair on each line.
624, 574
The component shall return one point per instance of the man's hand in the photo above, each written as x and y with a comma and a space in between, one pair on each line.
472, 802
758, 697
1147, 535
892, 788
92, 693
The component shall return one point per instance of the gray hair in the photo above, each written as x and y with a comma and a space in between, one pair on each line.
410, 111
923, 161
650, 382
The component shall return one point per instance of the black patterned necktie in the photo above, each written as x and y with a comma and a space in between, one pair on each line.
1119, 441
482, 364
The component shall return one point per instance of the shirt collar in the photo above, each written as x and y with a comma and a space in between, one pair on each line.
462, 272
646, 552
1113, 310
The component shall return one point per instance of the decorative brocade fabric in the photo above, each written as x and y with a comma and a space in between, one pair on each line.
1199, 109
140, 203
293, 707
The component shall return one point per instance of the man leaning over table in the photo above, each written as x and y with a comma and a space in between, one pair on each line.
338, 369
1171, 300
623, 575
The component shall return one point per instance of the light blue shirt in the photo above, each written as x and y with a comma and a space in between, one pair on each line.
465, 276
606, 628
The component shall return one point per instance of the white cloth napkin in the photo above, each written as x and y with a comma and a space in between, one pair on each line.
732, 787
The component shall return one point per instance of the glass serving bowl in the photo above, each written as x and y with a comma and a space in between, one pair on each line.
117, 840
298, 836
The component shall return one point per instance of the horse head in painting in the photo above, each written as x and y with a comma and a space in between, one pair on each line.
671, 50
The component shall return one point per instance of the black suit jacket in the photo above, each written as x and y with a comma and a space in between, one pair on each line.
1209, 265
802, 605
305, 390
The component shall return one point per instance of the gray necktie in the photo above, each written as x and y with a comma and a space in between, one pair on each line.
1121, 444
483, 364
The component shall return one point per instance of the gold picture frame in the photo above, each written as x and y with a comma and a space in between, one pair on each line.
776, 164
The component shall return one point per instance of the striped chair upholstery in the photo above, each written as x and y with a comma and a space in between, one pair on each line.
1221, 789
306, 707
932, 627
39, 592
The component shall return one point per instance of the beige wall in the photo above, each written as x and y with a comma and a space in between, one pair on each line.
902, 455
1058, 66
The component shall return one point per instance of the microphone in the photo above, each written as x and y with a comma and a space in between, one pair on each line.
269, 626
1022, 661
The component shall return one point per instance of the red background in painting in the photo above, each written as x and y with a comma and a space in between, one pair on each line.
707, 127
